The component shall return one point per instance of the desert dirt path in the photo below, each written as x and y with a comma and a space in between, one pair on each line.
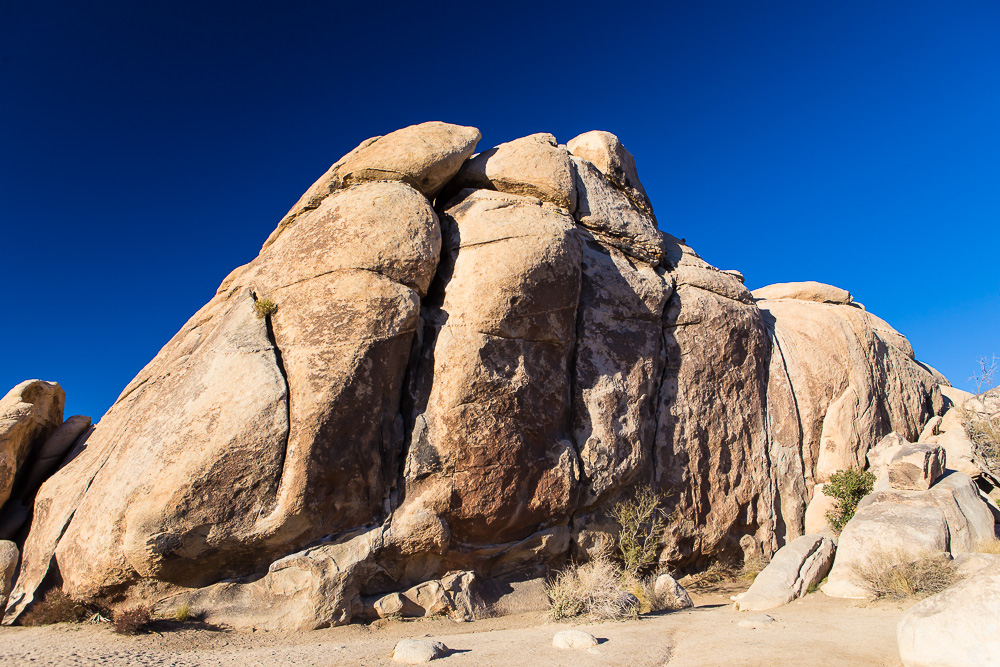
815, 631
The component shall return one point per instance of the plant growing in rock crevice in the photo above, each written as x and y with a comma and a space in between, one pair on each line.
264, 308
848, 487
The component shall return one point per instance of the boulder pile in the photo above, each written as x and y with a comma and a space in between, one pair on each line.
446, 365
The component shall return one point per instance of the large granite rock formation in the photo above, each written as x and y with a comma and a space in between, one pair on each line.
445, 362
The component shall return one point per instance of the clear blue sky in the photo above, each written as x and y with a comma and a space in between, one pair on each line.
147, 148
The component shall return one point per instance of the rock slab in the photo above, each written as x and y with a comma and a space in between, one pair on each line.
793, 569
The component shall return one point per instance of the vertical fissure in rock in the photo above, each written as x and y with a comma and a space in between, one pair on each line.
280, 363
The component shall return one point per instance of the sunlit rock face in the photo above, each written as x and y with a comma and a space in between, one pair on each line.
443, 360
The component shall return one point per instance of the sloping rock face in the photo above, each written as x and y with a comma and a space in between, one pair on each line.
443, 362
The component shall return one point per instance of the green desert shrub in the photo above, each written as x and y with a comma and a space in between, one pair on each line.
56, 607
889, 575
264, 307
597, 590
641, 524
847, 487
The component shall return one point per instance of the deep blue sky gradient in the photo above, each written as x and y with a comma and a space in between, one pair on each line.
148, 148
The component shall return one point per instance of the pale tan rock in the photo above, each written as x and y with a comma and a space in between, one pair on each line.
9, 556
915, 467
417, 651
805, 291
393, 604
817, 510
492, 383
931, 430
606, 152
958, 397
670, 595
887, 524
854, 380
29, 414
795, 567
907, 525
534, 166
315, 588
955, 628
214, 407
425, 156
612, 217
960, 451
574, 639
453, 595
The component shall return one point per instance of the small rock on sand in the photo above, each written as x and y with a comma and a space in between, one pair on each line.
574, 639
417, 651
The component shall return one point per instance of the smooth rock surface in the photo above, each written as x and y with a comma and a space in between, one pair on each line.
805, 291
574, 639
793, 569
958, 627
417, 651
535, 166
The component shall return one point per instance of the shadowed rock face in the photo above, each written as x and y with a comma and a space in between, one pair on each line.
390, 391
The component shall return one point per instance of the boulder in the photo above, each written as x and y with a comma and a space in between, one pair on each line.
950, 517
959, 626
880, 456
916, 467
610, 215
494, 368
606, 152
425, 156
316, 588
53, 452
347, 280
793, 569
816, 520
535, 166
29, 414
931, 430
886, 524
574, 639
9, 557
483, 381
417, 651
670, 595
805, 291
454, 595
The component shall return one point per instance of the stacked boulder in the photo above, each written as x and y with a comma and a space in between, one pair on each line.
919, 507
444, 362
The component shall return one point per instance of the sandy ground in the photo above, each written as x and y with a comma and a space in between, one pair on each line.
815, 630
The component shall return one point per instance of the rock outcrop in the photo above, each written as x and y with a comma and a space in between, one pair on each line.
442, 362
796, 567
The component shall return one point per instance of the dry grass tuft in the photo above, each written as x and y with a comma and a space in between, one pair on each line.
183, 613
596, 590
988, 546
56, 607
131, 620
894, 576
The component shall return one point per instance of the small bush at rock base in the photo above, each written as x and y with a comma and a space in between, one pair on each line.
131, 620
595, 589
893, 576
641, 522
264, 307
56, 607
848, 487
